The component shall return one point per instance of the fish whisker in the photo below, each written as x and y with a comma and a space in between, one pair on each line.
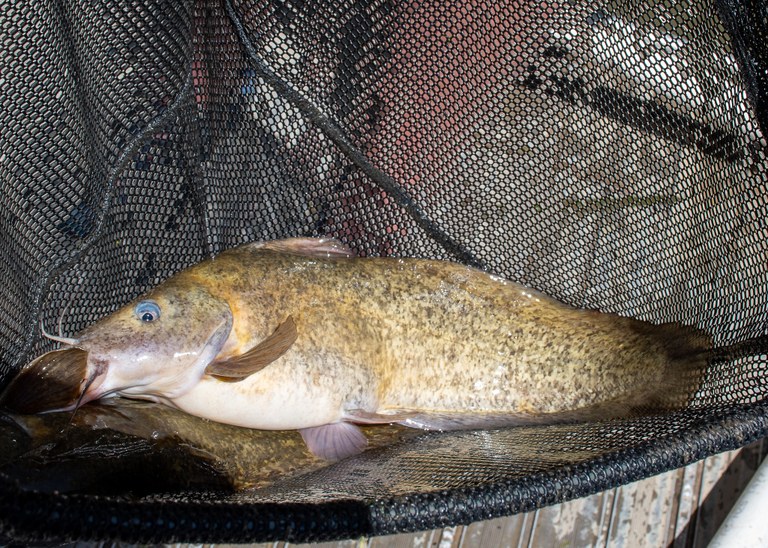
82, 394
61, 318
64, 340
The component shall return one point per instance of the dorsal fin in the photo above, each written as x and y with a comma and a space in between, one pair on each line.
257, 358
309, 247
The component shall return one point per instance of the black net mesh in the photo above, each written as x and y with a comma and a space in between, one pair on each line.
613, 156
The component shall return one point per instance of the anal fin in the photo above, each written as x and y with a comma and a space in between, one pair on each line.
480, 420
334, 441
445, 421
360, 416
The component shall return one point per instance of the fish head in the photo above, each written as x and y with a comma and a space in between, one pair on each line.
158, 345
155, 348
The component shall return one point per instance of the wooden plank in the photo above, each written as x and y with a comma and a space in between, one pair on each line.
721, 489
573, 523
608, 505
687, 495
642, 511
498, 532
340, 544
679, 509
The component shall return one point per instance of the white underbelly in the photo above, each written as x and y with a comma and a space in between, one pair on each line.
246, 404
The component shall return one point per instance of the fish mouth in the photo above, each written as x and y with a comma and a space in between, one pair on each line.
55, 381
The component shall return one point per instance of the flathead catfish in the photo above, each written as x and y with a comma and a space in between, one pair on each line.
299, 334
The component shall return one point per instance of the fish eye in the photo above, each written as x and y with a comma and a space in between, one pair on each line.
147, 311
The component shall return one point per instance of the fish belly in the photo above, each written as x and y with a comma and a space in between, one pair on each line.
245, 404
302, 389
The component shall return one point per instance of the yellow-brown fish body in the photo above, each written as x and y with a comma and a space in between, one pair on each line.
296, 334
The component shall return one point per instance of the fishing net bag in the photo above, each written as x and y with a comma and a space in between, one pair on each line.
612, 155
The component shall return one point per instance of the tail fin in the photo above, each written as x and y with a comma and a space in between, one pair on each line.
688, 350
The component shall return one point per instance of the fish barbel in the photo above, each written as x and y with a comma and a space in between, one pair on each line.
298, 334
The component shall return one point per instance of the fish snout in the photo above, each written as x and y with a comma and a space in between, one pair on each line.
54, 381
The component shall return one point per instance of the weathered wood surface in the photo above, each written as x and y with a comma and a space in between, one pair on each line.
678, 509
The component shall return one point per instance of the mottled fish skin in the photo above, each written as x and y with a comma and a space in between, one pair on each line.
385, 334
340, 339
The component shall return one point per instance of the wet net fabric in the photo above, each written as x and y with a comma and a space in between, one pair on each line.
613, 156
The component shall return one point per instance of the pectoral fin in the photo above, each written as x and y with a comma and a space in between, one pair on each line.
334, 441
258, 357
